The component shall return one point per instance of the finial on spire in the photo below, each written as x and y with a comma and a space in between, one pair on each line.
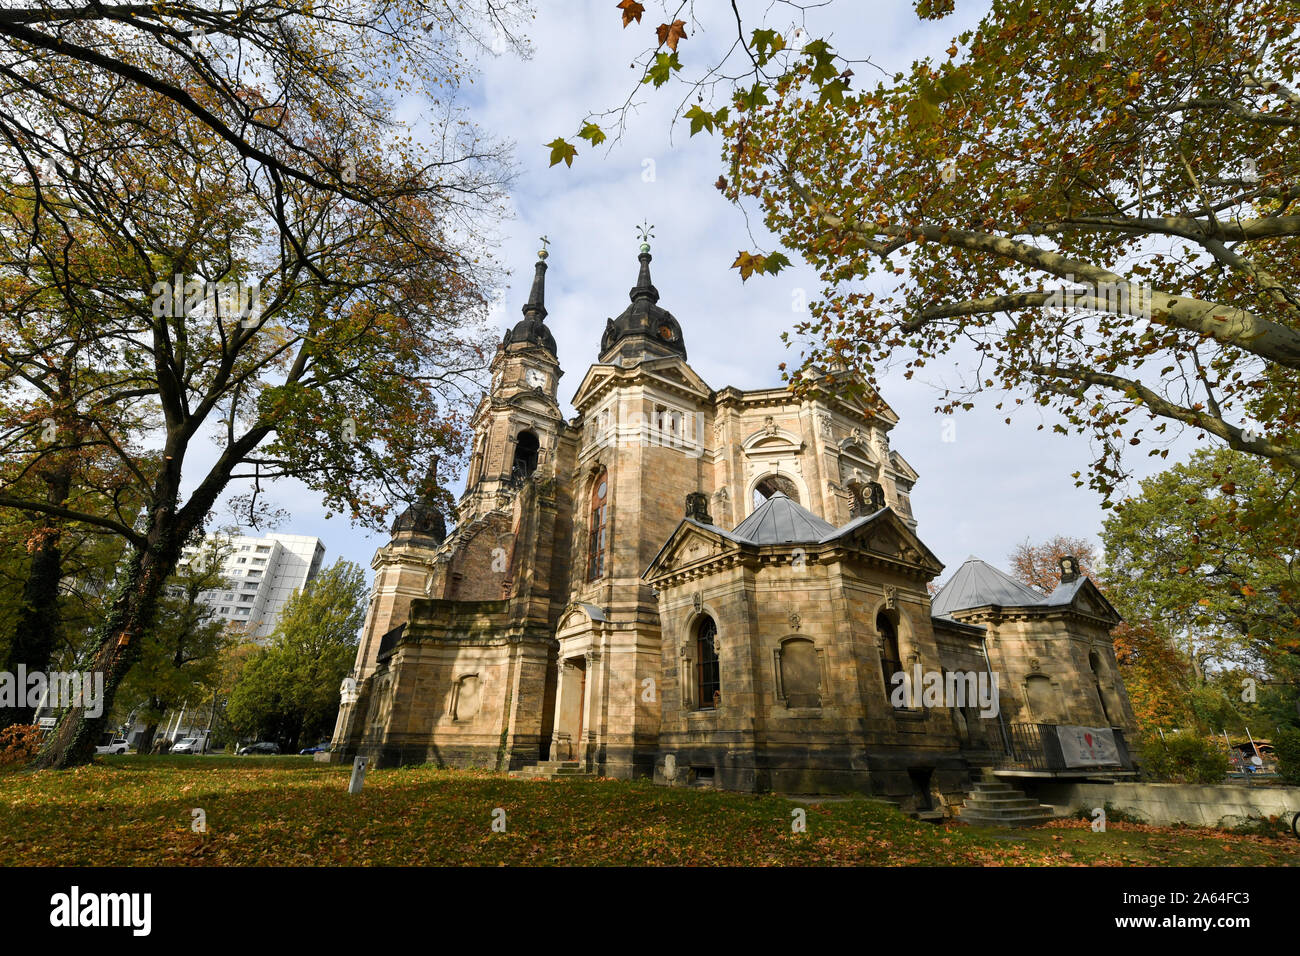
644, 288
542, 253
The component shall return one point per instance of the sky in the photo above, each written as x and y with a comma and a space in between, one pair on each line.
988, 488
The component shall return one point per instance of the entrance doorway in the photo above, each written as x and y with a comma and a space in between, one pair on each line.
570, 719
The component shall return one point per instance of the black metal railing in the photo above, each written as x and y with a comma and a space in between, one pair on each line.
1028, 750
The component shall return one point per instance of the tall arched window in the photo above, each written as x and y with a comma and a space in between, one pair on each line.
891, 660
525, 462
771, 485
597, 530
707, 671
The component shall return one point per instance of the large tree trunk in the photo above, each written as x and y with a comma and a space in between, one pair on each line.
37, 628
36, 631
122, 636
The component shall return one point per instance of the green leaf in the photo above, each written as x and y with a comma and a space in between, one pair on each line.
775, 262
833, 93
755, 97
592, 133
823, 62
700, 119
766, 44
662, 70
561, 151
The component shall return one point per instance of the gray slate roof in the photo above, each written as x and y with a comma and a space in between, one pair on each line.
977, 583
779, 520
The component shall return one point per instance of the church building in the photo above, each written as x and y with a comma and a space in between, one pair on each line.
710, 587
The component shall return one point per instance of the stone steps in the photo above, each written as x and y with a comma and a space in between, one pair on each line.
995, 803
552, 770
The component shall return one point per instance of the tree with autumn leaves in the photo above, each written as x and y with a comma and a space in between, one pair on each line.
1206, 560
345, 357
1039, 565
1092, 207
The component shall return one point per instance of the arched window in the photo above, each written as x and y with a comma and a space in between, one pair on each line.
891, 660
597, 531
707, 672
771, 485
525, 462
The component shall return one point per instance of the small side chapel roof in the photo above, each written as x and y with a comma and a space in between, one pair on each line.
779, 520
978, 583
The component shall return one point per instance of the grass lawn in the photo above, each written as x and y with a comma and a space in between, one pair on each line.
137, 811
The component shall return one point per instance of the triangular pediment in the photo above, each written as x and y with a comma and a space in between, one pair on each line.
862, 402
1089, 600
670, 372
597, 376
886, 534
692, 543
677, 373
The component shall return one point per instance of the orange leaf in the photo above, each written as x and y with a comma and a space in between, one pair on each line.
671, 33
631, 11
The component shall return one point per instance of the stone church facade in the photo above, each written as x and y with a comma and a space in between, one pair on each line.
701, 586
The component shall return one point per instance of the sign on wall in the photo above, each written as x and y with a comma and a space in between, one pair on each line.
1088, 746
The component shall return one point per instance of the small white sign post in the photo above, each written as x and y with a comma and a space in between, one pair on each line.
358, 774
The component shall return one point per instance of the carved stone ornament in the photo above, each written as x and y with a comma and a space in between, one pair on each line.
824, 421
697, 600
795, 620
769, 425
1033, 663
891, 597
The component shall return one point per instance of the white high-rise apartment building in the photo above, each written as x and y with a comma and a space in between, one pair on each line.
261, 574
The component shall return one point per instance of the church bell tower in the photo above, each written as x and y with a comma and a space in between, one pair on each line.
518, 423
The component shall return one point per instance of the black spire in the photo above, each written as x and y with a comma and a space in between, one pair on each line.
644, 327
532, 327
535, 307
644, 288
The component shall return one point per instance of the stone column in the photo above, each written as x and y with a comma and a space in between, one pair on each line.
591, 732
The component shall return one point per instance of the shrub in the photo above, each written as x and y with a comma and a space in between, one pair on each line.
19, 744
1184, 757
1286, 745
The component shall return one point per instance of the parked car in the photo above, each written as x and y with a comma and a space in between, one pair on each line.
189, 745
261, 747
320, 748
111, 745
